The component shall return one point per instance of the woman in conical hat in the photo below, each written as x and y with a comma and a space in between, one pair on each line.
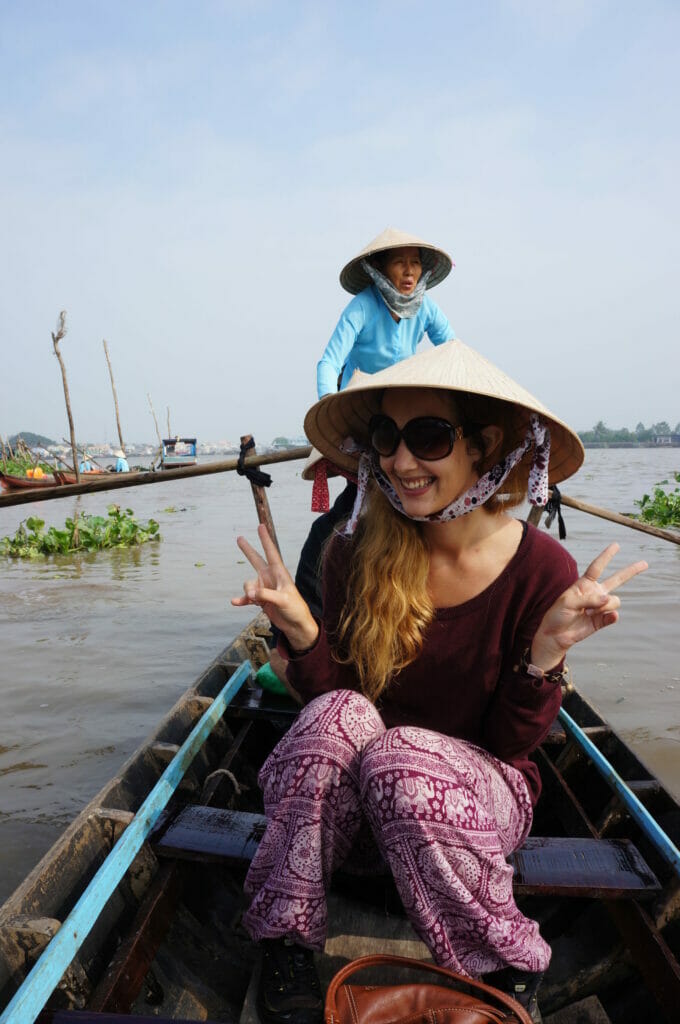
383, 324
390, 312
433, 672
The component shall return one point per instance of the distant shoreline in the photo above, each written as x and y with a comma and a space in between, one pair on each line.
629, 444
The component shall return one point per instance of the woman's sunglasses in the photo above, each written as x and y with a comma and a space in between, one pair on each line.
427, 437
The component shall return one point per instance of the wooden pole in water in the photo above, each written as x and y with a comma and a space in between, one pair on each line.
158, 433
264, 514
115, 396
56, 338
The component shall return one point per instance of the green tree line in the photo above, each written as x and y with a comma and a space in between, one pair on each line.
601, 432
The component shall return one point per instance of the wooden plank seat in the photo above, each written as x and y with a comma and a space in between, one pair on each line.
610, 868
252, 702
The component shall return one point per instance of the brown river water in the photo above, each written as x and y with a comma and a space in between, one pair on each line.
96, 648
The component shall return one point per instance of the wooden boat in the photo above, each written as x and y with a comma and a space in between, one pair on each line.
56, 479
178, 451
67, 476
26, 483
161, 937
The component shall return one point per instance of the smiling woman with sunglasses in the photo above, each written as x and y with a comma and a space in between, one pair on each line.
431, 676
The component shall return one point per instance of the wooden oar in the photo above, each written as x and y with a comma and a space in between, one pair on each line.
114, 481
612, 517
616, 517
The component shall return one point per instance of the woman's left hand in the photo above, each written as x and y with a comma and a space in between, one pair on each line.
588, 605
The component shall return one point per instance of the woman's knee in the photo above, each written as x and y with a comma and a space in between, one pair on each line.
344, 714
341, 720
399, 768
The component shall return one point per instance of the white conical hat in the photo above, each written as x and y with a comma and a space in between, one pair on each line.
354, 278
452, 366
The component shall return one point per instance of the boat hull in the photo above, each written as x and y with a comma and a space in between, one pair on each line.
171, 908
24, 483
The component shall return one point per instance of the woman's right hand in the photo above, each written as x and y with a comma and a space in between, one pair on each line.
274, 591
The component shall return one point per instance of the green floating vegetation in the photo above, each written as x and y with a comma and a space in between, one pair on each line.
119, 529
19, 465
662, 508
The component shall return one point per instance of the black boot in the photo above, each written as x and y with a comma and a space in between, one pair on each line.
522, 986
289, 990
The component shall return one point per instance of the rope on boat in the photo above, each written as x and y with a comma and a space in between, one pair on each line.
256, 476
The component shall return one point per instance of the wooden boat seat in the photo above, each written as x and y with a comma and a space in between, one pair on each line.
609, 868
252, 702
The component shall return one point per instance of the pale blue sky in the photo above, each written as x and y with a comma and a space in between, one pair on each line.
187, 179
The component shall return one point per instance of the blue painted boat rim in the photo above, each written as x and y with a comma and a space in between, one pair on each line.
637, 809
39, 984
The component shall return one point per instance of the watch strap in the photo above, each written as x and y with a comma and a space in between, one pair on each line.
525, 666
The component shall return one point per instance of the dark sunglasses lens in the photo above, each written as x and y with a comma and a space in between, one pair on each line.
429, 439
384, 435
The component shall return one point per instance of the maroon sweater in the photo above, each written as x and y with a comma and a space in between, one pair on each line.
464, 682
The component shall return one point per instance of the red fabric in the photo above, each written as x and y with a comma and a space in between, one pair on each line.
320, 498
463, 683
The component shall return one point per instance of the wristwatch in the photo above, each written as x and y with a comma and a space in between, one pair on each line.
555, 676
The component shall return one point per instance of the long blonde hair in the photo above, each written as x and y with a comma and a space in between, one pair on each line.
387, 607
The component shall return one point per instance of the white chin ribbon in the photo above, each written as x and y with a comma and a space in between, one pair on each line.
537, 435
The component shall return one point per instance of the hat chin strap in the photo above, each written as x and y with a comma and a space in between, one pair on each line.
537, 434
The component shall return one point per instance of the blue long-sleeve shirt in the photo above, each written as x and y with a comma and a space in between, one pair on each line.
367, 338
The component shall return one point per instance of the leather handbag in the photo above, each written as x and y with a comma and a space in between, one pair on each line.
460, 1001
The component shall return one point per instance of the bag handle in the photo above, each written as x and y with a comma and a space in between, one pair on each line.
331, 1011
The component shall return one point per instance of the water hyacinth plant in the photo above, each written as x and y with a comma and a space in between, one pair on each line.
19, 465
119, 529
662, 508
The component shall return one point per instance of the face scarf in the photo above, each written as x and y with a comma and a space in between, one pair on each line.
537, 435
403, 306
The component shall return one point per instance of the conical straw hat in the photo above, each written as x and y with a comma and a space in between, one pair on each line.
452, 366
354, 278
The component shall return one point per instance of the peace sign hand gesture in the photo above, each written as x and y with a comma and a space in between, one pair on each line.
587, 605
276, 594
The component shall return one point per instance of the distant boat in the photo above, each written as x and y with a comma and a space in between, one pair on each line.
67, 476
178, 451
27, 483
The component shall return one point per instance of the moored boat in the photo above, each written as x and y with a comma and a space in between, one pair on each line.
67, 476
168, 943
25, 483
178, 451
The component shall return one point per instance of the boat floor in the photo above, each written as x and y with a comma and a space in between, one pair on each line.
354, 930
208, 969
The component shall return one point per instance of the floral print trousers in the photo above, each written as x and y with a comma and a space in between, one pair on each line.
342, 790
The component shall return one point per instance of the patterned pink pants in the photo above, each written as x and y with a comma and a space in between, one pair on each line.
443, 813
